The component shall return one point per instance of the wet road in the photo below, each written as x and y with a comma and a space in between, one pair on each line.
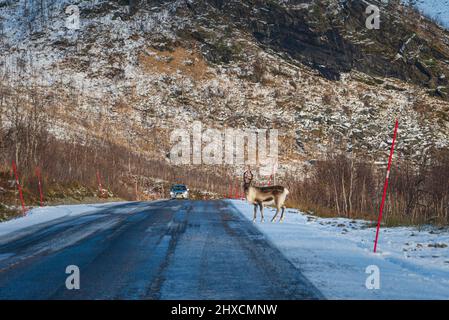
150, 250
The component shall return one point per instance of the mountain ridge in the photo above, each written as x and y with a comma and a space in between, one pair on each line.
136, 70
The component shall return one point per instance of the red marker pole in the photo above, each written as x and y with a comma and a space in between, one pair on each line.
236, 189
14, 168
384, 195
39, 182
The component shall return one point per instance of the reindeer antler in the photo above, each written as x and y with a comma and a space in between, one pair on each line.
245, 175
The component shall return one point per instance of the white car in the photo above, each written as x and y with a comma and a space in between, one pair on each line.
179, 191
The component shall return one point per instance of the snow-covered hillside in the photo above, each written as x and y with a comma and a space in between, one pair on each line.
334, 254
436, 9
132, 74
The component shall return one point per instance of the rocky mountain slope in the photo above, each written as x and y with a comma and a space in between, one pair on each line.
135, 70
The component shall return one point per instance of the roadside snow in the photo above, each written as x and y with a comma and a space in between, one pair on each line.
45, 214
334, 254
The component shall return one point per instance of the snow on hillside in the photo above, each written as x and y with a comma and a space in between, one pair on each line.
436, 9
334, 254
137, 73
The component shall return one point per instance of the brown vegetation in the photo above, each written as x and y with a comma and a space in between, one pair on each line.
344, 186
69, 166
188, 62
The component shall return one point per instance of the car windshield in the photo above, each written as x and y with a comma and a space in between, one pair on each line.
179, 188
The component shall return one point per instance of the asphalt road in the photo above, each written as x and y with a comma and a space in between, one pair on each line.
150, 250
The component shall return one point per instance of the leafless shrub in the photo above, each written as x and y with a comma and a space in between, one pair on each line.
25, 138
343, 186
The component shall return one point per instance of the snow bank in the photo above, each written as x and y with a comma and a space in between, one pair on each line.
334, 254
45, 214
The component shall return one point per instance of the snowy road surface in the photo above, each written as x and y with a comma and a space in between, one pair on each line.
153, 250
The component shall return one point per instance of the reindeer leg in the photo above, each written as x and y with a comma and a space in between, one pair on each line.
261, 211
255, 213
282, 214
274, 218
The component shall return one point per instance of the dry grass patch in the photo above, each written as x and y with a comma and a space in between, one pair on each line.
188, 62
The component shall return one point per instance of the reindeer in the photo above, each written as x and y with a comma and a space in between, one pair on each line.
260, 196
